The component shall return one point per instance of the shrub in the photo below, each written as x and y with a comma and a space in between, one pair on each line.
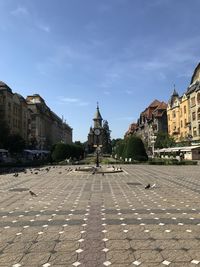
134, 149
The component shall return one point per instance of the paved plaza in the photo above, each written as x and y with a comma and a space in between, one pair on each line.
80, 219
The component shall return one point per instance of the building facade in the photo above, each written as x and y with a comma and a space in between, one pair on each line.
32, 119
14, 112
151, 121
184, 112
193, 93
46, 128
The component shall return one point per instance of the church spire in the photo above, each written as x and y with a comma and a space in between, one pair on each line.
97, 118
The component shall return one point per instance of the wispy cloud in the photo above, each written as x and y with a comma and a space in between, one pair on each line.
106, 93
69, 100
72, 101
20, 11
129, 92
44, 28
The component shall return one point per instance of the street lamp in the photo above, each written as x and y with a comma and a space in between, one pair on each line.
97, 133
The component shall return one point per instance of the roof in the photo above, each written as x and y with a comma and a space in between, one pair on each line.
21, 97
173, 96
97, 115
195, 72
174, 149
193, 87
4, 86
158, 112
155, 103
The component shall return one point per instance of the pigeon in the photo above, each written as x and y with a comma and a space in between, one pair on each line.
154, 185
147, 186
16, 174
32, 193
102, 173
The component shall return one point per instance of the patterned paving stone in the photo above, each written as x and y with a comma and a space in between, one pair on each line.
110, 220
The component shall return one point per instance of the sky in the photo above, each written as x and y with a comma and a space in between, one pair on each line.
121, 53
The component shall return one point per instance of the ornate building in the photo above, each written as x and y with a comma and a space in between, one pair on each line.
184, 112
14, 112
46, 127
103, 138
92, 139
152, 120
178, 117
32, 119
193, 93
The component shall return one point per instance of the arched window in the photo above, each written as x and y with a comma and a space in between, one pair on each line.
198, 114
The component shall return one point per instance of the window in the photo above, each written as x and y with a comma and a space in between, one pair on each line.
198, 114
174, 114
192, 102
185, 122
184, 108
193, 116
181, 124
198, 98
180, 112
194, 131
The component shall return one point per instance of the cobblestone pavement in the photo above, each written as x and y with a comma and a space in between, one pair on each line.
79, 219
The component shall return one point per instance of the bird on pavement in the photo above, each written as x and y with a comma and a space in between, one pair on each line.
32, 193
147, 186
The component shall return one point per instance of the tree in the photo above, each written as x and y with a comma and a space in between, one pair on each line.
60, 152
134, 149
65, 151
4, 133
164, 140
120, 145
15, 143
106, 140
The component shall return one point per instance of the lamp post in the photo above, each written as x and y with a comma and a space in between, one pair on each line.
97, 132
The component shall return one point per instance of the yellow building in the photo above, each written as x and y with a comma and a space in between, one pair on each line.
173, 116
185, 130
184, 112
193, 93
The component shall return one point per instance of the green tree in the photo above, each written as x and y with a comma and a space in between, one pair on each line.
62, 151
59, 152
164, 140
120, 145
134, 149
106, 140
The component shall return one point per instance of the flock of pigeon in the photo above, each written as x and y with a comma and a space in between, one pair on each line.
36, 171
47, 169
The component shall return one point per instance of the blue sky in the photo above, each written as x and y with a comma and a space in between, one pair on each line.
121, 53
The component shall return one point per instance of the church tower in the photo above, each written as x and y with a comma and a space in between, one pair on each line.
97, 119
92, 139
99, 134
